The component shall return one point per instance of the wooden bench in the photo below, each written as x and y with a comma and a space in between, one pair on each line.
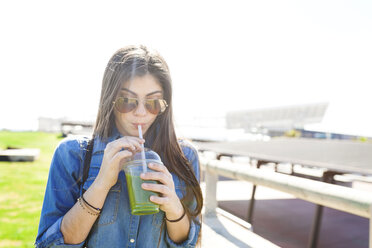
17, 155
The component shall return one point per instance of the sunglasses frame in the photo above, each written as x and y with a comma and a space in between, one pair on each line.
163, 104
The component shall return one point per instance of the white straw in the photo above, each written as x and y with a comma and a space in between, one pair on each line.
144, 166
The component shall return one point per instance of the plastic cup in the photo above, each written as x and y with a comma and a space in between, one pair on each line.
139, 198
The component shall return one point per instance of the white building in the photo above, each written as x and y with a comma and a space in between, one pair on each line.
277, 118
65, 126
50, 125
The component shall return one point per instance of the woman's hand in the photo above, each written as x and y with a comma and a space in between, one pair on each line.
113, 157
168, 200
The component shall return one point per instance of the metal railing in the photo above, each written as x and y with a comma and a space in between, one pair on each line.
334, 196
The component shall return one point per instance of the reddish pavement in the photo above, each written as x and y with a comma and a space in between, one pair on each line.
287, 223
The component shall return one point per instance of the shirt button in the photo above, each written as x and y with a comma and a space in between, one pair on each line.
131, 240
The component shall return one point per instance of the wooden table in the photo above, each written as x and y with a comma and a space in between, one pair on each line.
334, 156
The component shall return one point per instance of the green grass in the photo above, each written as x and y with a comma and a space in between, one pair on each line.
22, 187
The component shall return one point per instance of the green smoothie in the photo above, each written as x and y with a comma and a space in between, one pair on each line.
139, 198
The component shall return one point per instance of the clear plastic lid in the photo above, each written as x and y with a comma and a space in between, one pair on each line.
150, 155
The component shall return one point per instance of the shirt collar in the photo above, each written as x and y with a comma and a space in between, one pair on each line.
100, 145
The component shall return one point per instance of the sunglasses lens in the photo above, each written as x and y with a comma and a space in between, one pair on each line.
153, 106
125, 105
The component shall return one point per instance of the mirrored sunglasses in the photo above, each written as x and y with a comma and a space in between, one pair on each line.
126, 105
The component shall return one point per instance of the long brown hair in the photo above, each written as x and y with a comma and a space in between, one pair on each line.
132, 61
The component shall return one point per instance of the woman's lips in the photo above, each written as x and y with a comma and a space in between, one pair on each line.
137, 124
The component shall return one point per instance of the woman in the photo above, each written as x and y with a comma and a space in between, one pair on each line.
136, 90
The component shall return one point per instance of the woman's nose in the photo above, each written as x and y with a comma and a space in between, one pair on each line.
141, 109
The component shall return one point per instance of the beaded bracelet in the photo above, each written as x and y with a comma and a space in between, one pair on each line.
180, 218
89, 212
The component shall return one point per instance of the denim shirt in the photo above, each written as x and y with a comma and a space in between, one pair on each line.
116, 226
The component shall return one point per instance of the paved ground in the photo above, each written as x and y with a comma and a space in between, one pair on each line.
286, 221
221, 232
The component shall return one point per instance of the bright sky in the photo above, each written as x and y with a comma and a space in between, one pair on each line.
223, 55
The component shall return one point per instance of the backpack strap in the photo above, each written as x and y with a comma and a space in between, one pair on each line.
87, 159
